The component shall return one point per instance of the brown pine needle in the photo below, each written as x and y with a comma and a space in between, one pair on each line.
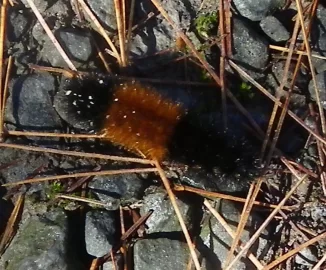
242, 223
321, 261
4, 96
3, 19
12, 222
178, 213
210, 194
75, 175
122, 38
265, 223
50, 35
57, 135
299, 52
75, 153
83, 199
253, 259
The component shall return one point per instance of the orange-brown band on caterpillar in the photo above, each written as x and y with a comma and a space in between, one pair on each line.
141, 120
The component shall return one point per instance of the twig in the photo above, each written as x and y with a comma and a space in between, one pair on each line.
4, 96
178, 213
75, 153
265, 223
50, 34
57, 135
321, 261
131, 18
75, 175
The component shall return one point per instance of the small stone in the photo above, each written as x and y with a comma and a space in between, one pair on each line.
160, 254
163, 218
274, 29
251, 50
76, 44
29, 104
100, 232
256, 10
306, 257
18, 25
321, 86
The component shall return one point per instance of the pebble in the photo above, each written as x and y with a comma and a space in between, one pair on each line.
321, 86
274, 29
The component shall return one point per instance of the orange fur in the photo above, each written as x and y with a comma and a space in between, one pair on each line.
141, 120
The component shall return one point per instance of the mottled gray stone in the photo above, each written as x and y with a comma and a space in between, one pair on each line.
29, 103
256, 10
160, 254
321, 86
18, 25
76, 44
250, 49
163, 218
216, 238
274, 29
100, 232
41, 243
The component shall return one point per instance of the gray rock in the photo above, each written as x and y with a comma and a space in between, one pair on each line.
113, 188
305, 257
215, 237
29, 103
163, 218
274, 29
18, 25
321, 86
158, 35
76, 44
104, 10
160, 254
23, 164
250, 49
41, 243
100, 232
41, 5
256, 10
320, 49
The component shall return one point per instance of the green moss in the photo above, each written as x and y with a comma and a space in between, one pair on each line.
245, 91
53, 189
205, 24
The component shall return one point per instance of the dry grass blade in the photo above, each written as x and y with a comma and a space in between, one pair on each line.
210, 194
282, 49
75, 153
11, 225
131, 18
50, 34
178, 213
121, 31
265, 92
242, 223
265, 223
101, 30
312, 70
75, 175
294, 251
253, 259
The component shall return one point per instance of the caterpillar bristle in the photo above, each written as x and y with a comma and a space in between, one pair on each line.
141, 120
